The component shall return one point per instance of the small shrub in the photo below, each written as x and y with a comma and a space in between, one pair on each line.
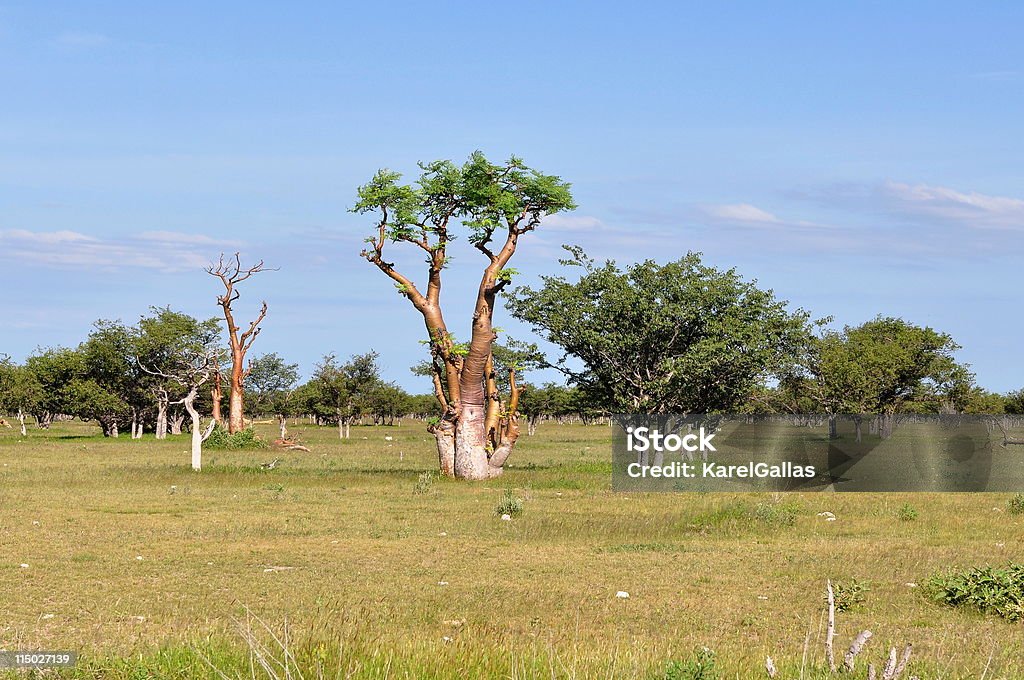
423, 483
1015, 506
774, 514
849, 595
246, 439
991, 590
700, 666
510, 504
907, 513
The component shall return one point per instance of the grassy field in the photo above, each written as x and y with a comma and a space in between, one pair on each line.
150, 570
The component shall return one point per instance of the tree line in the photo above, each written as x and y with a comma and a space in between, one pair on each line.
679, 337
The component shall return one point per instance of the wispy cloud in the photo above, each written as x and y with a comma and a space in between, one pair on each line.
571, 223
926, 204
739, 212
969, 209
162, 251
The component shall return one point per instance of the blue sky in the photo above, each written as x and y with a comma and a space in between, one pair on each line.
857, 158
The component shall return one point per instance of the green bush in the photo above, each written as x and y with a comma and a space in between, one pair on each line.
1015, 506
849, 595
246, 439
509, 504
907, 513
991, 590
700, 666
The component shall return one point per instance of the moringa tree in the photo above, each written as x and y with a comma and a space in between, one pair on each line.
496, 204
231, 273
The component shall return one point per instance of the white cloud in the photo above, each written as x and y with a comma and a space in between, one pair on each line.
739, 212
159, 251
182, 237
42, 237
558, 222
968, 209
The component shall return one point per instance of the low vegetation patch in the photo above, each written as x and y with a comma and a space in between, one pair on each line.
246, 439
740, 515
991, 590
700, 666
1015, 506
510, 504
907, 513
849, 595
423, 483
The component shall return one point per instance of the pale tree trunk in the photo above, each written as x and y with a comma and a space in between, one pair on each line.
341, 428
176, 421
283, 424
198, 435
444, 435
471, 443
21, 419
161, 416
348, 428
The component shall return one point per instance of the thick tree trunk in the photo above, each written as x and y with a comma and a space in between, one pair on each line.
43, 421
283, 425
236, 418
471, 443
832, 434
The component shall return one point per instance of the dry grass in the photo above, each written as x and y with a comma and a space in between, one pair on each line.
337, 542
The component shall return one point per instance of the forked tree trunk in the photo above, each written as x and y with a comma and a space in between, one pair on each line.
176, 421
198, 435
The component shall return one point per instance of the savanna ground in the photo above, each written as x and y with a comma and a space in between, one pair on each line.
144, 567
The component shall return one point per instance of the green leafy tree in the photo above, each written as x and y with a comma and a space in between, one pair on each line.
20, 391
496, 204
676, 338
270, 386
161, 339
550, 400
54, 370
883, 367
343, 390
